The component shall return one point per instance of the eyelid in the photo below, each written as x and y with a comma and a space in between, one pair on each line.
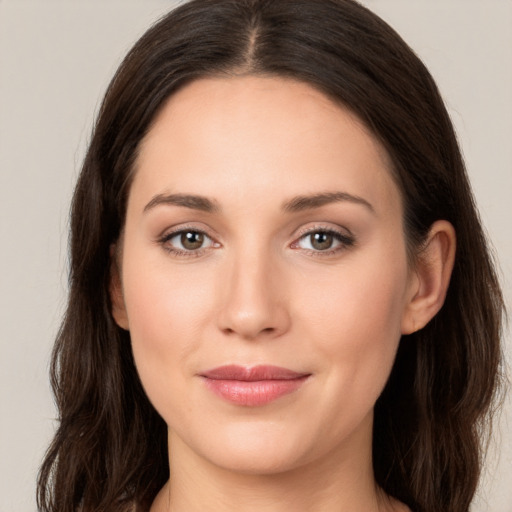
343, 235
171, 232
191, 226
342, 231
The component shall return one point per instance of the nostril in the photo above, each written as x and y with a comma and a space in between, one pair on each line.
266, 330
251, 312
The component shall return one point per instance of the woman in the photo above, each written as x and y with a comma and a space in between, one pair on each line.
281, 296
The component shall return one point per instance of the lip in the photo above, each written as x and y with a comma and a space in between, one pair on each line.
252, 386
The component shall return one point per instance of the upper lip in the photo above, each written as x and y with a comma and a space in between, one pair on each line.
251, 374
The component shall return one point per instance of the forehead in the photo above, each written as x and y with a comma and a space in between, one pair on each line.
260, 135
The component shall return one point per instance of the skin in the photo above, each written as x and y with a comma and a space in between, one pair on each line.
258, 291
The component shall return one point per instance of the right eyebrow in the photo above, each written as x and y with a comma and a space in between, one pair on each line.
191, 201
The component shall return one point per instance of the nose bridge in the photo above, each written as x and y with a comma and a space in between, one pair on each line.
254, 304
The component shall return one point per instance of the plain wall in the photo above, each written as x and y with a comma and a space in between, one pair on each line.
56, 58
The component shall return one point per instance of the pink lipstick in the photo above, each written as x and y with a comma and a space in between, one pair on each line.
252, 386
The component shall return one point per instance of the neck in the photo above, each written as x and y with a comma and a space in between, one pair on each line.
341, 481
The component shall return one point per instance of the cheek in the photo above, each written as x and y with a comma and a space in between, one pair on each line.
355, 316
167, 310
355, 322
164, 300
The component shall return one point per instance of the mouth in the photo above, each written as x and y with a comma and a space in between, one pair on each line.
252, 386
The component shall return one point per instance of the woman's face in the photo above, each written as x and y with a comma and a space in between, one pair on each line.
263, 230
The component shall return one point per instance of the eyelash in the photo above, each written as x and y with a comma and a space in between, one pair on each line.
163, 241
346, 241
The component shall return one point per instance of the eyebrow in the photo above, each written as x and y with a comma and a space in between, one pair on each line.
308, 202
186, 200
295, 204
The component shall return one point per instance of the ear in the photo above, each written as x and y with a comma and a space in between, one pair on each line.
116, 291
430, 277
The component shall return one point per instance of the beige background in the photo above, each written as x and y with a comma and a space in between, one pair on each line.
56, 58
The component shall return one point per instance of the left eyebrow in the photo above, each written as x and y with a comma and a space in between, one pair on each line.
308, 202
191, 201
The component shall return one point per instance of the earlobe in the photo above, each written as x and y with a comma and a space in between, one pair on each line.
431, 277
116, 292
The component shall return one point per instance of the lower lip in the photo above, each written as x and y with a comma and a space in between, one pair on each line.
253, 393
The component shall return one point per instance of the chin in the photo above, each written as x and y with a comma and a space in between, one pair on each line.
261, 449
270, 461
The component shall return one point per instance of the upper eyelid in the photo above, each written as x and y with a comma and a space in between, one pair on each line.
164, 239
173, 234
343, 231
213, 244
170, 232
342, 237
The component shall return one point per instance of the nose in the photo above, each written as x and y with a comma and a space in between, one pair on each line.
255, 302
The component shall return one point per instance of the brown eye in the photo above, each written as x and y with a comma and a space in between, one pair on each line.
187, 242
324, 240
191, 240
321, 240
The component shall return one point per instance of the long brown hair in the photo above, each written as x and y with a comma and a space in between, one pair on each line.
110, 447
